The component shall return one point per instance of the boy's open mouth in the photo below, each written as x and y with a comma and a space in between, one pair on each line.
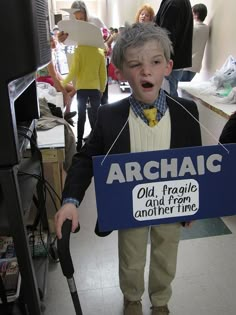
147, 85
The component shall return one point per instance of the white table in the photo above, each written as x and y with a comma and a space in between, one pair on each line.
213, 114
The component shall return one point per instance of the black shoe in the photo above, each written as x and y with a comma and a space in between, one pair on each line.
69, 115
56, 111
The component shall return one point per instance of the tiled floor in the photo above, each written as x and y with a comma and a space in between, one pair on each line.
205, 283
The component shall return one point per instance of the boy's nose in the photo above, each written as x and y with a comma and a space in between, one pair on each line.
146, 69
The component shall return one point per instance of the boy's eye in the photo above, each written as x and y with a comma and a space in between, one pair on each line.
134, 65
156, 61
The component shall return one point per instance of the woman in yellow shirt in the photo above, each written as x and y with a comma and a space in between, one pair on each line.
88, 72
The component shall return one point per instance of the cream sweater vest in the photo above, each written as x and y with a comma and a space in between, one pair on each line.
145, 138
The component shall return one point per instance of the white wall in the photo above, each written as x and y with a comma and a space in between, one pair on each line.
121, 11
223, 33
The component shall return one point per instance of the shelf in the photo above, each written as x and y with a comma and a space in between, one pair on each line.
20, 181
40, 259
40, 262
18, 86
27, 187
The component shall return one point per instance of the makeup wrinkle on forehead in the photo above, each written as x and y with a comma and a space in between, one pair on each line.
146, 48
143, 54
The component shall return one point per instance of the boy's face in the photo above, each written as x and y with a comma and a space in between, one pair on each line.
144, 68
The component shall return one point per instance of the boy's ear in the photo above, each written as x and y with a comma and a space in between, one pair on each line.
169, 67
119, 74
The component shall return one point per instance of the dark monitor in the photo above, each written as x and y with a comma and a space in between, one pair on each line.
25, 37
25, 47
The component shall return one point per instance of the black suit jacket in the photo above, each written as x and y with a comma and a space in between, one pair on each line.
185, 132
228, 134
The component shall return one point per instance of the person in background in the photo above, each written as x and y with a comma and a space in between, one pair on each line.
88, 71
51, 75
80, 12
55, 30
200, 36
111, 39
110, 44
115, 34
141, 56
145, 14
107, 36
60, 51
176, 16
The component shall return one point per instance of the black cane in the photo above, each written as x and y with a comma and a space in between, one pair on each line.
63, 247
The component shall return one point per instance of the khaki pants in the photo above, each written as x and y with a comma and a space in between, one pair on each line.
163, 257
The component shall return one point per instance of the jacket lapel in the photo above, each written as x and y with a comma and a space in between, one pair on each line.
123, 141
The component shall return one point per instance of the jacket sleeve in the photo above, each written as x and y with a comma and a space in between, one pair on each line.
228, 134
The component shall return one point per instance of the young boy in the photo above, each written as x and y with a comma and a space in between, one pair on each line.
142, 57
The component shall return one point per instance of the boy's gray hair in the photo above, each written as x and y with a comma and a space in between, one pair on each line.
137, 35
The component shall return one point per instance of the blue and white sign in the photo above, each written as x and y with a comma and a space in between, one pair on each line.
149, 188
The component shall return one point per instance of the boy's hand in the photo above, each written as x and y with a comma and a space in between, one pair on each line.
67, 211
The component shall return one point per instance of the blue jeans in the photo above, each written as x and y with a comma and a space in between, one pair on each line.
187, 76
94, 96
173, 80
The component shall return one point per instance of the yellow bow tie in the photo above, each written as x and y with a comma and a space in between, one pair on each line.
151, 115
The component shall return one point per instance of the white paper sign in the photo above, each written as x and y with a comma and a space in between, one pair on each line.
82, 33
165, 199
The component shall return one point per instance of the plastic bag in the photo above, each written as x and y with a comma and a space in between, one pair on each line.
230, 98
226, 76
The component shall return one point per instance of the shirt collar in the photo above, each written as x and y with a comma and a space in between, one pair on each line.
160, 104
